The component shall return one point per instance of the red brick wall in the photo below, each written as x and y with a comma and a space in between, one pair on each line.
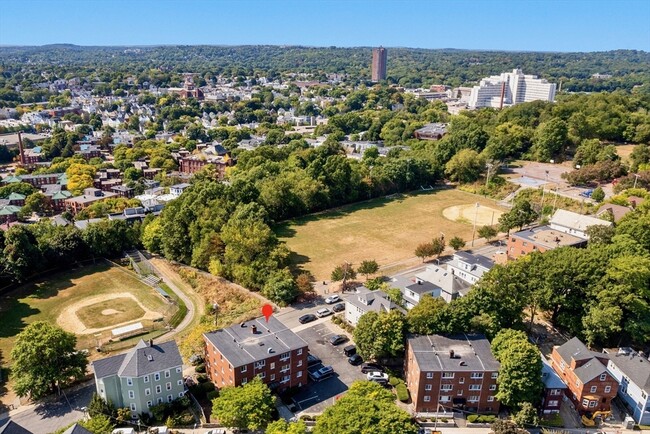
518, 247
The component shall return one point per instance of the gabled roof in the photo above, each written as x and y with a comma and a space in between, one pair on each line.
141, 360
635, 367
11, 427
576, 221
76, 429
575, 349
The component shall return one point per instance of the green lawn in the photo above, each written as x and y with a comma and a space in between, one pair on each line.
115, 310
47, 298
387, 230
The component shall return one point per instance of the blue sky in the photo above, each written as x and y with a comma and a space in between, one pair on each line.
531, 25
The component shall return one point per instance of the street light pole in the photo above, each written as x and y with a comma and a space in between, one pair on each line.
474, 228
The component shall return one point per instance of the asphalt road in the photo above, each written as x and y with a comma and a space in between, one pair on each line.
47, 417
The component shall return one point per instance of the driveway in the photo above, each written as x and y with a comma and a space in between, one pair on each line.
317, 396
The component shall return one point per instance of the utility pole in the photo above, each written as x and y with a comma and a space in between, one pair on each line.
474, 228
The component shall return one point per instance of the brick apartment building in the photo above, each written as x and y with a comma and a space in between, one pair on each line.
447, 372
540, 239
591, 387
193, 164
235, 355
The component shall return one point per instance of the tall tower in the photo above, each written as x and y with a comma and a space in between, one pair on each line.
378, 64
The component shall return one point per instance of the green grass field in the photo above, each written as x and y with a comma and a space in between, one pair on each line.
119, 310
387, 230
49, 297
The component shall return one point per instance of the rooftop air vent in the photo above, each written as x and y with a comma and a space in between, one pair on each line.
150, 357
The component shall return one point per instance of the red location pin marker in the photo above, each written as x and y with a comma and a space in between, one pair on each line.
267, 311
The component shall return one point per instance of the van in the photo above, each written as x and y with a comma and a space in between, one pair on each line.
350, 350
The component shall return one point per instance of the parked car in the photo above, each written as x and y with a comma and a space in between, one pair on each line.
332, 299
312, 360
371, 367
338, 307
320, 313
216, 431
355, 360
322, 373
306, 318
377, 376
338, 339
350, 350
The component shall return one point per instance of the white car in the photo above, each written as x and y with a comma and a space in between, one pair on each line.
216, 431
332, 299
320, 313
377, 376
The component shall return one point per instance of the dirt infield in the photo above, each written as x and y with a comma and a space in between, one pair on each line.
70, 319
484, 215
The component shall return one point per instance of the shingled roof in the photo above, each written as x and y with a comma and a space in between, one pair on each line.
141, 360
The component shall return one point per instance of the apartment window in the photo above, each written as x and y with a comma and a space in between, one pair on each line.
131, 394
159, 400
178, 370
446, 387
490, 399
299, 364
461, 380
299, 352
554, 403
146, 378
585, 402
156, 376
445, 398
474, 387
430, 375
284, 356
446, 375
158, 389
427, 398
495, 375
298, 374
493, 387
133, 407
555, 391
272, 365
260, 365
608, 389
169, 386
170, 398
427, 387
179, 382
149, 403
285, 379
603, 377
272, 377
129, 381
180, 395
476, 375
147, 392
460, 392
473, 398
243, 369
262, 375
167, 373
244, 381
593, 389
284, 368
592, 404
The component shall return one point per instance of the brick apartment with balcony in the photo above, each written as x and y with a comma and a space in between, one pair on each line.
235, 355
591, 387
451, 372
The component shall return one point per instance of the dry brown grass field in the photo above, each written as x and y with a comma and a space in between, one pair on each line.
386, 230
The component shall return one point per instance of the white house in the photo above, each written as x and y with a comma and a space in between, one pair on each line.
450, 285
469, 267
178, 189
632, 371
365, 301
575, 224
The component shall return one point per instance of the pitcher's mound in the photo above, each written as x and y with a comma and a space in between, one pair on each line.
484, 215
110, 312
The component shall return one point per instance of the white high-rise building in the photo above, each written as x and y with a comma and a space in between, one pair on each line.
510, 88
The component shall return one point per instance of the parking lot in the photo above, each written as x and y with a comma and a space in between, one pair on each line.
319, 395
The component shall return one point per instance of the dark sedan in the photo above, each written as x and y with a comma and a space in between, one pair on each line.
338, 339
307, 318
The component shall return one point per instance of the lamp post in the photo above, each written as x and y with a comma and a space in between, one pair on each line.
474, 228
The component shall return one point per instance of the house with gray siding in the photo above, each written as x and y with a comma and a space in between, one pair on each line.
148, 375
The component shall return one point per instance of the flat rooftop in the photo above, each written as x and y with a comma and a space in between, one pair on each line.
547, 237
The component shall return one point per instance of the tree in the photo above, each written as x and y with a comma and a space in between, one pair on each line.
549, 139
465, 166
368, 267
598, 194
438, 246
425, 317
521, 214
527, 415
501, 426
245, 407
380, 334
343, 272
35, 202
99, 424
304, 282
520, 374
45, 359
600, 234
281, 287
283, 427
99, 406
424, 250
366, 408
457, 243
487, 232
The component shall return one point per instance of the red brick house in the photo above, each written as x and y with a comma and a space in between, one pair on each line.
590, 385
269, 350
451, 372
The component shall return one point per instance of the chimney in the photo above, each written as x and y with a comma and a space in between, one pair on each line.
254, 329
151, 342
20, 148
451, 354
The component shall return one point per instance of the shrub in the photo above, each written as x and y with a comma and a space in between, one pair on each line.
402, 392
472, 418
444, 420
202, 378
200, 368
207, 387
393, 381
